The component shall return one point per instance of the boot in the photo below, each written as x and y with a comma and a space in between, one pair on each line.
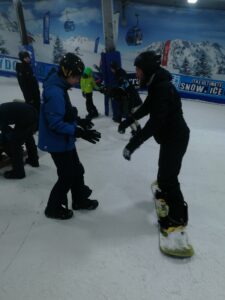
87, 204
33, 162
60, 213
14, 175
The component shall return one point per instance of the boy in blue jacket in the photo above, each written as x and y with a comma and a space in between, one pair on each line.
58, 131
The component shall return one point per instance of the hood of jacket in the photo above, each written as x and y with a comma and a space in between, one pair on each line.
55, 80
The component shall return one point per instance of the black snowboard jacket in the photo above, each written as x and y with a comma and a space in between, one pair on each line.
28, 84
163, 105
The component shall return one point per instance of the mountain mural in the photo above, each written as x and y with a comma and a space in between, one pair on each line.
7, 24
204, 59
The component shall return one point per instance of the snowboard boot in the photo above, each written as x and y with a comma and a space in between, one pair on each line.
162, 208
171, 214
60, 213
176, 217
87, 204
14, 175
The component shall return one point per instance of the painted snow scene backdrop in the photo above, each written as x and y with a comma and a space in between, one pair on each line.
196, 43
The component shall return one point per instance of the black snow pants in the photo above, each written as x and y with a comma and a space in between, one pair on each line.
70, 177
169, 165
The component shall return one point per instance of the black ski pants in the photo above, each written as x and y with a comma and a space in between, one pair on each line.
70, 177
91, 108
169, 165
19, 135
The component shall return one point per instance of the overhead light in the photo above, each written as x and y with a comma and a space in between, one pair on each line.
192, 1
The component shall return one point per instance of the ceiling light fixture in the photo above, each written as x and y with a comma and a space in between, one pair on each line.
192, 1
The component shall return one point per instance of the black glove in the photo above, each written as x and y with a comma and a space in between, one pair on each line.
91, 136
126, 123
134, 143
83, 94
85, 123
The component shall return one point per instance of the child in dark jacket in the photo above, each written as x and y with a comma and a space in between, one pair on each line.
127, 97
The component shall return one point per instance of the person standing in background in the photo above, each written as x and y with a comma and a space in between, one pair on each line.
27, 81
88, 84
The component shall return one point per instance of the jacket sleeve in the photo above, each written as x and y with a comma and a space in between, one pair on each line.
143, 110
82, 84
159, 112
94, 84
54, 112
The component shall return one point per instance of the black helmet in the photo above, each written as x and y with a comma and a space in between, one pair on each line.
71, 64
149, 62
23, 54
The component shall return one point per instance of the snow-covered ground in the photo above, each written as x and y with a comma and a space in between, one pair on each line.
112, 253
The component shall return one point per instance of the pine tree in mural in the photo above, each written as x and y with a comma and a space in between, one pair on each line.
221, 68
3, 50
58, 51
185, 68
202, 67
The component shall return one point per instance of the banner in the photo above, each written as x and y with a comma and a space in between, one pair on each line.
166, 51
46, 27
7, 65
200, 88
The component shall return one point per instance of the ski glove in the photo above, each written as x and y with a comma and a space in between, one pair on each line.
92, 136
85, 123
126, 123
134, 143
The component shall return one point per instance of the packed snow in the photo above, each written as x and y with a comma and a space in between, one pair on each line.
112, 253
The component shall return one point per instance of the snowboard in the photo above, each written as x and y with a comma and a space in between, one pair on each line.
174, 241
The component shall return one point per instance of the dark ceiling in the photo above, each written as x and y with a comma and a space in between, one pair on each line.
208, 4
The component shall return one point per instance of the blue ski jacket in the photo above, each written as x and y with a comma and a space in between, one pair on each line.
57, 122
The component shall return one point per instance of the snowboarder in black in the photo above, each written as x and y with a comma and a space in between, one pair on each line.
27, 81
24, 118
167, 125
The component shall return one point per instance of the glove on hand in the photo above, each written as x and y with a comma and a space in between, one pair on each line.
85, 123
92, 136
102, 89
124, 124
134, 143
83, 94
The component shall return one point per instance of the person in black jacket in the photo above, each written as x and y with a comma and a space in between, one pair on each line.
24, 118
167, 125
27, 81
125, 95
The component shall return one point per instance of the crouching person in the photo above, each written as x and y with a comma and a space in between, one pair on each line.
24, 119
58, 131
